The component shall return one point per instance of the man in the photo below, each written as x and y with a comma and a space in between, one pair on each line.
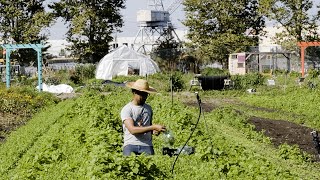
137, 120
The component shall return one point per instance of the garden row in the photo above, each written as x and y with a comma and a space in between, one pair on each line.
82, 139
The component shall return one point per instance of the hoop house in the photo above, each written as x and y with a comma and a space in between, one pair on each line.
125, 61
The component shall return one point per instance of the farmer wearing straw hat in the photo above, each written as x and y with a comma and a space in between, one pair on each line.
137, 120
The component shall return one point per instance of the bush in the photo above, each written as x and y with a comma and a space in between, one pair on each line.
83, 73
313, 73
55, 78
24, 101
295, 74
248, 81
177, 82
280, 72
213, 71
121, 79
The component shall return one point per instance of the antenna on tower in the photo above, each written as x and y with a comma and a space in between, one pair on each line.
155, 5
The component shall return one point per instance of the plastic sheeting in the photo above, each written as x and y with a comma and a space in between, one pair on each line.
61, 88
121, 61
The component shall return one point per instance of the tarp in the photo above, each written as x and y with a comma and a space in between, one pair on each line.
123, 61
60, 88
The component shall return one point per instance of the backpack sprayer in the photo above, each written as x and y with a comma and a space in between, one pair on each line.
169, 140
316, 141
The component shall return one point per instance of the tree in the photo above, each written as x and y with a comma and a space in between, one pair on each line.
293, 16
21, 22
297, 23
167, 50
91, 24
218, 28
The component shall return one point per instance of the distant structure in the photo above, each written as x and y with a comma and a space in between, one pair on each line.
258, 61
155, 25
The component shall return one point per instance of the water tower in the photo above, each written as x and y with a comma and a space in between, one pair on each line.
155, 25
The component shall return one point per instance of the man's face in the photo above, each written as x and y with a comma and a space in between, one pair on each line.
140, 97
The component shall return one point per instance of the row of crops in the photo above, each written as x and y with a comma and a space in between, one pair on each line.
19, 104
82, 139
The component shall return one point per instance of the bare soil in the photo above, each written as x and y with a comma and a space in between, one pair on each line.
279, 131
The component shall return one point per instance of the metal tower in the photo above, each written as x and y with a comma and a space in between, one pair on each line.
155, 25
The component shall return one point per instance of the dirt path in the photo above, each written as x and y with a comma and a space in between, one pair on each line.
279, 131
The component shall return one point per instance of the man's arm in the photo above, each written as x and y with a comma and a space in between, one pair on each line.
142, 129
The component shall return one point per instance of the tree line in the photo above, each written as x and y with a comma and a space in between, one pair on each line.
90, 25
216, 28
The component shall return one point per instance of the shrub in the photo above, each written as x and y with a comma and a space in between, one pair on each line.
177, 82
313, 73
294, 74
213, 71
248, 80
82, 73
24, 101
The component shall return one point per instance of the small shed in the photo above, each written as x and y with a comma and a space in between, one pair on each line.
237, 63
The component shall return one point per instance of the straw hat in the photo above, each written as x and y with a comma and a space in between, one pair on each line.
141, 85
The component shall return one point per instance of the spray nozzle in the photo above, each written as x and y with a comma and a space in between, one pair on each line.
168, 137
198, 97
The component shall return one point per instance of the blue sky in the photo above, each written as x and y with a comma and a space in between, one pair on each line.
130, 27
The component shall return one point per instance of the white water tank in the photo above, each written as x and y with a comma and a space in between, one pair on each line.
152, 16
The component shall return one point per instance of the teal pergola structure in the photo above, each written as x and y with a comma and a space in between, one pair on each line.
11, 47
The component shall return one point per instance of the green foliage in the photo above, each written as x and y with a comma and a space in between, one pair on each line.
218, 28
59, 77
167, 53
176, 82
91, 24
79, 76
280, 72
160, 81
294, 74
248, 81
301, 103
24, 101
213, 71
298, 24
122, 79
99, 86
83, 73
19, 104
25, 81
293, 152
312, 73
90, 147
23, 22
82, 138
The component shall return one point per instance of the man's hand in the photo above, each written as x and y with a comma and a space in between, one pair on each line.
155, 133
142, 129
159, 128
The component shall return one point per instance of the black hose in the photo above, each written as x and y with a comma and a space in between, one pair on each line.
200, 110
